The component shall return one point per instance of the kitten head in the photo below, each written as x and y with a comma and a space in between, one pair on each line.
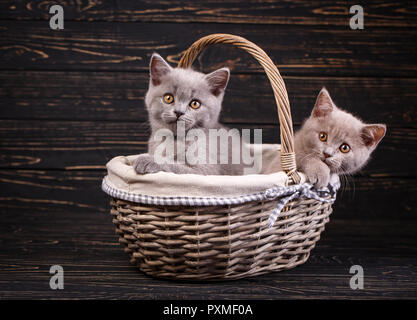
177, 94
343, 142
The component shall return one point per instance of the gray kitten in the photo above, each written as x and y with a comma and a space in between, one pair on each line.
332, 141
190, 100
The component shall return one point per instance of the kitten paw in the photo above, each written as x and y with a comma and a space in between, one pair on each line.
319, 178
144, 163
334, 179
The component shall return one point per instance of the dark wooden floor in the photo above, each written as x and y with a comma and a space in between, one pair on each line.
71, 100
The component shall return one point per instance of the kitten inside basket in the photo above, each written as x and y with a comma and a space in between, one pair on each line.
330, 142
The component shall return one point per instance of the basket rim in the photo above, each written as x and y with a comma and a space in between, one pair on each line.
123, 176
266, 195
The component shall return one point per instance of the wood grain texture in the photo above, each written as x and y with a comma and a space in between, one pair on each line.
79, 189
128, 46
95, 266
71, 100
118, 96
297, 12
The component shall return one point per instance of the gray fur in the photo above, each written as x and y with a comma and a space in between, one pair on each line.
341, 127
185, 85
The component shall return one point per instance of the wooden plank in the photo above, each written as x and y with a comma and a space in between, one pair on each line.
128, 47
298, 12
66, 144
63, 192
77, 101
95, 266
118, 96
71, 191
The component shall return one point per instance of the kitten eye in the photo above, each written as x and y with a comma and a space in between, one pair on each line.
168, 98
323, 136
344, 148
195, 104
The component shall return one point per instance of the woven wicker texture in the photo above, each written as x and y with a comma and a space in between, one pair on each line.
224, 242
228, 242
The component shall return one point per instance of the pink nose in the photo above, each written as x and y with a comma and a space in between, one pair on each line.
178, 113
326, 155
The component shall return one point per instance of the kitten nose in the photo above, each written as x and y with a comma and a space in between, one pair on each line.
178, 113
326, 155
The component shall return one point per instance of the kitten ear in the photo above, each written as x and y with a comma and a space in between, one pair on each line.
158, 68
324, 104
372, 134
218, 80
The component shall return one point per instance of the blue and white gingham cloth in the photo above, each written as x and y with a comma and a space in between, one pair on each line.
284, 194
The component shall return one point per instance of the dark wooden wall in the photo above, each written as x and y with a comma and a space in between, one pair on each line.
72, 99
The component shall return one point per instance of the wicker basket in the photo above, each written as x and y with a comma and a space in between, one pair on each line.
225, 241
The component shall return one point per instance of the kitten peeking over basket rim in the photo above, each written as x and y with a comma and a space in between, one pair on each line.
332, 141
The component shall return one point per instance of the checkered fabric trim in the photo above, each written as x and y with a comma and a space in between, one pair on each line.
306, 190
284, 194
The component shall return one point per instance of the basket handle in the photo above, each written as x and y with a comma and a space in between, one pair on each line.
288, 162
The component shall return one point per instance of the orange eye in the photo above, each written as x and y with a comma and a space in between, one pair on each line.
195, 104
168, 98
323, 136
344, 148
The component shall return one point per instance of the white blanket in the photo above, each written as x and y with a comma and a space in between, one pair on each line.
122, 176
